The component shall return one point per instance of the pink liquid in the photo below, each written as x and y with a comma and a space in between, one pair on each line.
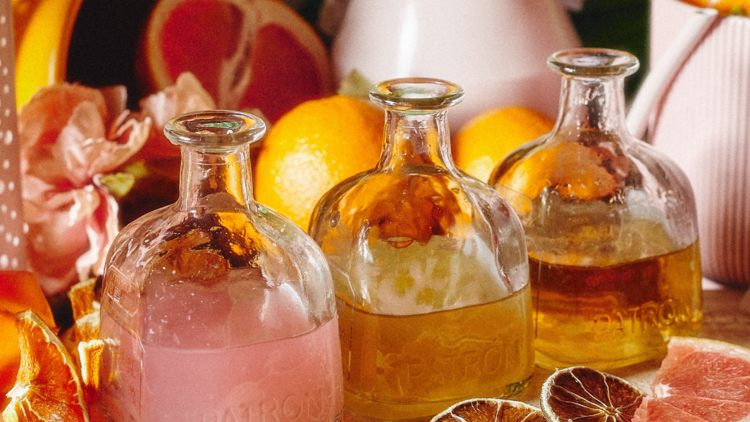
294, 379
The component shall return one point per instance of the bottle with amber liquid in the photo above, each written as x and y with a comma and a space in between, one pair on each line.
429, 267
610, 224
216, 308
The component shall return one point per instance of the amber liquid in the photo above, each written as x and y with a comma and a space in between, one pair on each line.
412, 367
608, 317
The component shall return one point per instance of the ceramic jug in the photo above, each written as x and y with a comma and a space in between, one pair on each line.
700, 117
495, 49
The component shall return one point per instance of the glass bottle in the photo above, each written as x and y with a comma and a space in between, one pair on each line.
610, 224
217, 308
429, 267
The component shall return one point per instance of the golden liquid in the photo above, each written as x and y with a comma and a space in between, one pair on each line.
414, 366
607, 317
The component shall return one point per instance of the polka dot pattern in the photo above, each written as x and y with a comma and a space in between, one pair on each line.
12, 241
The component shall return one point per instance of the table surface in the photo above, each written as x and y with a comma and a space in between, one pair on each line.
726, 317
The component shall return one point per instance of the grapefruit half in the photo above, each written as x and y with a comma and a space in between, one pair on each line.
700, 380
248, 54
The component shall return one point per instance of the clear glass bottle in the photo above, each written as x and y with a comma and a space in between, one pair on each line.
216, 308
429, 267
610, 222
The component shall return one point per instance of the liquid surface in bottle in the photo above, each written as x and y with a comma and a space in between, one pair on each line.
284, 380
402, 367
623, 313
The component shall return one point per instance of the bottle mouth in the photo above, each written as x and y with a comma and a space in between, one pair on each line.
215, 130
593, 62
416, 94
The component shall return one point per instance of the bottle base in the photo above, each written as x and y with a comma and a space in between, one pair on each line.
369, 411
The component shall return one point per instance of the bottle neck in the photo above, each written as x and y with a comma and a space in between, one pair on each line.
206, 174
416, 138
592, 104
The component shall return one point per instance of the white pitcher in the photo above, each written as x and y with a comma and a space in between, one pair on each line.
495, 49
695, 104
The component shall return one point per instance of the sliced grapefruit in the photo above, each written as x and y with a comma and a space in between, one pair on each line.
700, 380
248, 54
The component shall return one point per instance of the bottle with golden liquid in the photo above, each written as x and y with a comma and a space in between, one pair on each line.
429, 268
610, 224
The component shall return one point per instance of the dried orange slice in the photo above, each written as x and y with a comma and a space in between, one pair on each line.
47, 387
490, 410
585, 394
248, 54
19, 290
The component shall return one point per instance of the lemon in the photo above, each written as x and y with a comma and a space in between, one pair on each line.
312, 148
489, 137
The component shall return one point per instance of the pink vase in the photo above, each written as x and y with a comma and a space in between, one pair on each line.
703, 123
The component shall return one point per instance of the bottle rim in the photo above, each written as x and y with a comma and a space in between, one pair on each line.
593, 62
415, 94
215, 129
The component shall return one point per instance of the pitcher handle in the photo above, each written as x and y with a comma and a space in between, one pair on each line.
661, 76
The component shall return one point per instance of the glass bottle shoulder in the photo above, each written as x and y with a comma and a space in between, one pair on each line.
419, 240
583, 190
248, 274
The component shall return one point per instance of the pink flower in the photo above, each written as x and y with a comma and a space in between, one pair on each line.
71, 137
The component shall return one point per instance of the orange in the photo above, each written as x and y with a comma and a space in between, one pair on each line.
48, 387
19, 290
725, 7
490, 410
580, 393
248, 54
489, 137
312, 148
699, 380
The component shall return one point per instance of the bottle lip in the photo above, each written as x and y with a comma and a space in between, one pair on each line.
215, 129
416, 94
593, 62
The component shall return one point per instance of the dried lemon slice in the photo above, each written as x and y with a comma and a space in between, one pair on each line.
582, 393
490, 410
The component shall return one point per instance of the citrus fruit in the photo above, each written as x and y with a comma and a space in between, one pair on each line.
42, 31
48, 387
248, 54
19, 291
699, 380
582, 393
312, 148
725, 7
490, 410
489, 137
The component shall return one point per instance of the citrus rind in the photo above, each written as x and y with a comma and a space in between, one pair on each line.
490, 410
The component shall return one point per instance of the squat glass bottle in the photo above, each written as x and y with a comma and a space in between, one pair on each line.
216, 308
611, 226
429, 267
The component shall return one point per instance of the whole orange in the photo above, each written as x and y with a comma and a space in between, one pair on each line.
489, 137
312, 148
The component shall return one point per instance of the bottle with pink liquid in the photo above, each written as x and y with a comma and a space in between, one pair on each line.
216, 308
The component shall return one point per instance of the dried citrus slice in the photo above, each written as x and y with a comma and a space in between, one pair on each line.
490, 410
82, 298
248, 54
19, 290
582, 393
700, 380
47, 387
